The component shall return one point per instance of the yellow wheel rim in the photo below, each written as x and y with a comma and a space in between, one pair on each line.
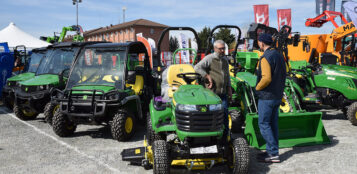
55, 109
128, 125
242, 105
229, 121
28, 113
356, 115
285, 108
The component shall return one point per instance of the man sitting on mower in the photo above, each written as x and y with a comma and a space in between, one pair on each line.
215, 68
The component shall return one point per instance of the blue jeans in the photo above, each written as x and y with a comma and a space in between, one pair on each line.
268, 111
225, 119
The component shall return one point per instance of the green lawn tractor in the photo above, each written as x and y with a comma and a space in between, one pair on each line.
33, 95
185, 126
12, 84
331, 85
109, 83
297, 127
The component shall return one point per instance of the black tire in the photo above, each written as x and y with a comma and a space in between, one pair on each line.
150, 133
237, 121
239, 164
49, 111
19, 112
161, 157
352, 113
121, 131
62, 126
344, 111
8, 103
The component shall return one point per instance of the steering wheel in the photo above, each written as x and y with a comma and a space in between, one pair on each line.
189, 77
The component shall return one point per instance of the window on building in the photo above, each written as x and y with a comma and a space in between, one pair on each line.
152, 31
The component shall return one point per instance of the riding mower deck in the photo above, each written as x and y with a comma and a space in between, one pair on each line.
186, 129
109, 83
33, 95
12, 84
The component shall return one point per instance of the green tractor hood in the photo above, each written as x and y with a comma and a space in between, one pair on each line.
195, 95
92, 87
21, 77
342, 71
45, 79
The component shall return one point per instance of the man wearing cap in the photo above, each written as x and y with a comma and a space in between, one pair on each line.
271, 75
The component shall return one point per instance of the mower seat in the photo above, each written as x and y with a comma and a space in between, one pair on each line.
136, 80
173, 81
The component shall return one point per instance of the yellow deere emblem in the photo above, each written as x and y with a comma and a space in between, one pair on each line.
85, 97
203, 109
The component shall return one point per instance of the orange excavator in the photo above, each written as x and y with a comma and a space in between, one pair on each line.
328, 48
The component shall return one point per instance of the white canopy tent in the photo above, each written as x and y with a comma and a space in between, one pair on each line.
14, 36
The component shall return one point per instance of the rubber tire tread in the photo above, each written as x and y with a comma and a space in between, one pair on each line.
351, 113
241, 153
48, 112
19, 114
118, 126
150, 133
161, 157
59, 125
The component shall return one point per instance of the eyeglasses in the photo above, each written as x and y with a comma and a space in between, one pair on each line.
223, 48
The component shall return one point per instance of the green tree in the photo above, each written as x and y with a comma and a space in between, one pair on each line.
203, 36
173, 44
225, 35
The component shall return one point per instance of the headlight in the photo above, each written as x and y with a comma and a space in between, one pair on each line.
113, 96
186, 107
42, 87
215, 107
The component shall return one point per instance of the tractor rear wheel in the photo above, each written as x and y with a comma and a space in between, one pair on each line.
24, 114
62, 126
240, 161
161, 157
352, 113
123, 125
150, 133
49, 112
237, 121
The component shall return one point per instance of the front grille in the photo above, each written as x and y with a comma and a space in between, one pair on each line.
199, 121
28, 89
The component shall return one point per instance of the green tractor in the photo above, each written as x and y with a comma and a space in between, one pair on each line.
12, 84
185, 125
331, 85
33, 95
109, 83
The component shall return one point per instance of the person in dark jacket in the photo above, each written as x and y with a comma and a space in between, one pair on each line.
271, 75
215, 68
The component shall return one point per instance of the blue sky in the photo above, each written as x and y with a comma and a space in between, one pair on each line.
43, 17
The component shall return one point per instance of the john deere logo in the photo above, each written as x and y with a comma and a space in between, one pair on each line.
203, 109
26, 89
85, 97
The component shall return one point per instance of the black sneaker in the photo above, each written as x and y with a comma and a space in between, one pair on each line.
269, 158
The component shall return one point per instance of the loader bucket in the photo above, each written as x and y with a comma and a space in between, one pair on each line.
295, 129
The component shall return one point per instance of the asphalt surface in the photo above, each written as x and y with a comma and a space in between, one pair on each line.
32, 147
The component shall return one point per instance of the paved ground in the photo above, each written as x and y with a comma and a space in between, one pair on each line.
32, 147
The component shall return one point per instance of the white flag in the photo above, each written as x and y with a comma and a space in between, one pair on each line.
351, 9
185, 55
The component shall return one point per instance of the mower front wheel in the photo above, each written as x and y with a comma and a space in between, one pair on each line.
352, 113
9, 103
24, 114
240, 161
161, 157
150, 133
49, 112
62, 126
123, 125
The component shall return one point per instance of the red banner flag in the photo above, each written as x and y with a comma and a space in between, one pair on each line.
284, 17
261, 14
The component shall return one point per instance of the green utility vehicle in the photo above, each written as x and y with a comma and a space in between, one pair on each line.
33, 95
185, 125
109, 83
331, 85
8, 92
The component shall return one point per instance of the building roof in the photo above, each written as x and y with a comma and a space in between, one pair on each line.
138, 22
